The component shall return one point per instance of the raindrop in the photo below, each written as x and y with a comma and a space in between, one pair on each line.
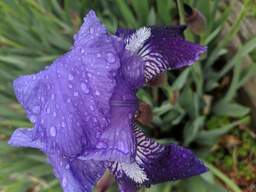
33, 118
82, 51
97, 92
53, 131
84, 88
91, 30
110, 57
92, 108
70, 77
98, 55
36, 109
70, 86
67, 166
63, 124
75, 94
64, 182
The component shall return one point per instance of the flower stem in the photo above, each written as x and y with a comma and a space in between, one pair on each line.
181, 11
230, 184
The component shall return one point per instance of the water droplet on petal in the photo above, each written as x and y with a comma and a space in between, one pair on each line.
97, 92
82, 51
52, 131
98, 55
70, 86
75, 94
33, 118
91, 30
63, 124
110, 57
70, 77
64, 182
92, 108
36, 109
84, 88
54, 114
67, 166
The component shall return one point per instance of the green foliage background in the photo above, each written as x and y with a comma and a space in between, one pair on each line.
34, 32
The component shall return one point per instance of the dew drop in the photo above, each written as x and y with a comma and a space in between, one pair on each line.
92, 108
63, 124
67, 166
110, 57
53, 131
98, 55
91, 30
36, 109
97, 93
54, 114
70, 77
84, 88
33, 118
64, 182
70, 86
75, 94
82, 51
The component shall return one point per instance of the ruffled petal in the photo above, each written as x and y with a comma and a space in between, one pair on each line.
69, 102
156, 163
22, 137
76, 175
117, 142
161, 48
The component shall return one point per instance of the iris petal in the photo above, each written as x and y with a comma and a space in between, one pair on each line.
159, 163
22, 137
76, 175
69, 102
164, 49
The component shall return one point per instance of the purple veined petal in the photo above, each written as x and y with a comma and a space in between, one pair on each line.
166, 162
22, 137
117, 141
76, 175
124, 33
162, 48
69, 102
156, 163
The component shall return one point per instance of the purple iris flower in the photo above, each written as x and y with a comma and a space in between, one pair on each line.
83, 105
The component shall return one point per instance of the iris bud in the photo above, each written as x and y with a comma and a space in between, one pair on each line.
195, 19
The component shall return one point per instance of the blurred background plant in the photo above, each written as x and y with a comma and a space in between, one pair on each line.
198, 107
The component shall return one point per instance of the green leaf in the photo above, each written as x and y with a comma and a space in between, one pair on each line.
181, 80
191, 129
223, 108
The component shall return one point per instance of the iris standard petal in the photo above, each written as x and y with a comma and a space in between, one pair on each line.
117, 142
156, 163
161, 48
23, 137
76, 175
69, 102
